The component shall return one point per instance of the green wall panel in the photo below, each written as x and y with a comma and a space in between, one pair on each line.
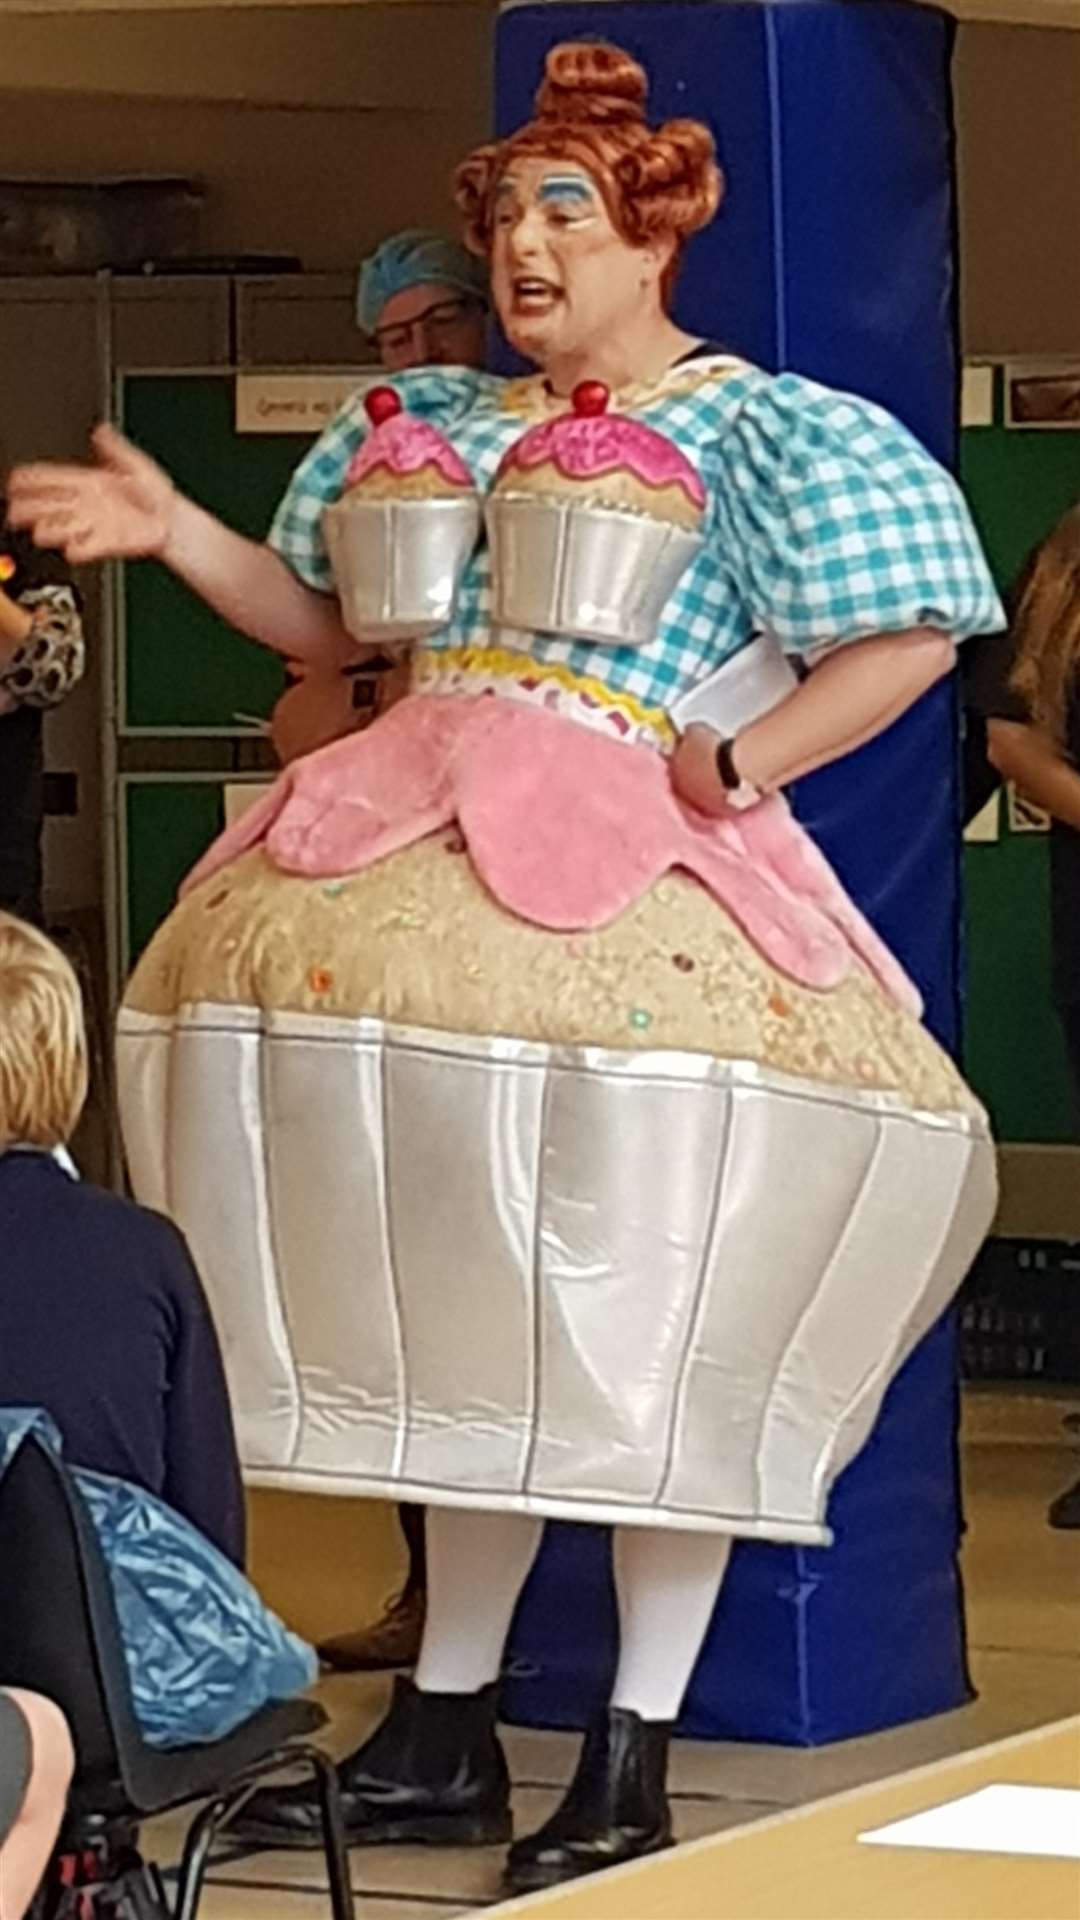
183, 668
168, 824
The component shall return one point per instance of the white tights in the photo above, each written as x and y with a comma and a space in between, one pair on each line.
666, 1583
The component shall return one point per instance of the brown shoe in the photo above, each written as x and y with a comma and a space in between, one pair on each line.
391, 1641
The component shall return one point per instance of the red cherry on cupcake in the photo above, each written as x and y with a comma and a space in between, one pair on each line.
381, 403
590, 398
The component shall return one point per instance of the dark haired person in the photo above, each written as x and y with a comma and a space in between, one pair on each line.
41, 660
423, 301
1025, 687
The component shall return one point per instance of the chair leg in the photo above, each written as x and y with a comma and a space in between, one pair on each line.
342, 1905
217, 1814
192, 1870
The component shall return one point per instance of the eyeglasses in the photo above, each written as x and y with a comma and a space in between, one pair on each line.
439, 321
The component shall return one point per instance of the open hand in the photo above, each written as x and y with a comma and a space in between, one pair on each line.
120, 508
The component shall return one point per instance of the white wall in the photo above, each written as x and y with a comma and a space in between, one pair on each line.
314, 133
318, 183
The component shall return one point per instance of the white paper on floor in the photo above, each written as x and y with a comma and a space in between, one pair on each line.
998, 1819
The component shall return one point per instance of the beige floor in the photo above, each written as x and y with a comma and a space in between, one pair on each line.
808, 1861
1023, 1584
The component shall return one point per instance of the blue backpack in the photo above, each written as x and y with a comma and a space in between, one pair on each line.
203, 1652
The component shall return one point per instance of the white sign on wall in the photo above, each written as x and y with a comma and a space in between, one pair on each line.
977, 396
293, 402
239, 795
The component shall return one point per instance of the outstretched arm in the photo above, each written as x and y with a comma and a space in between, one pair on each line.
1031, 760
854, 693
15, 625
126, 507
252, 588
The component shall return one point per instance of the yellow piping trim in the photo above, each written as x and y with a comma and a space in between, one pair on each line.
501, 663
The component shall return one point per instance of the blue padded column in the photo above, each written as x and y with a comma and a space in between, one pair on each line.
833, 256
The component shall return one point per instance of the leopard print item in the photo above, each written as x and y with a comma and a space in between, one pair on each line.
51, 660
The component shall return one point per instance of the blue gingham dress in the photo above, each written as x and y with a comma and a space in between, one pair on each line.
826, 521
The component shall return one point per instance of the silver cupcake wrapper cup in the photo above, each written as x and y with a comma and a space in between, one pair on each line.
585, 573
557, 1280
398, 563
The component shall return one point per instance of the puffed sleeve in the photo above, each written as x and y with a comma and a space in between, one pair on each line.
431, 394
837, 524
51, 660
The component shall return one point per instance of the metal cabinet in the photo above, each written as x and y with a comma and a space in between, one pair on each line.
298, 320
172, 320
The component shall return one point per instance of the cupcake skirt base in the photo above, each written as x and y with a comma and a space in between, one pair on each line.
622, 1226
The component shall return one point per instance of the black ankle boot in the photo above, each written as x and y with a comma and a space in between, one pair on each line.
433, 1772
614, 1809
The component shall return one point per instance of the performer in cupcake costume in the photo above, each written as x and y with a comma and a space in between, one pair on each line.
554, 1134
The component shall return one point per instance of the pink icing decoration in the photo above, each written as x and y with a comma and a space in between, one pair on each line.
403, 444
584, 447
565, 827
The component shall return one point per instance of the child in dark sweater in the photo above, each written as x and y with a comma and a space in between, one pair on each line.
103, 1320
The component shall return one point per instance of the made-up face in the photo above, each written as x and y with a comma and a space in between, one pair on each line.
431, 326
563, 278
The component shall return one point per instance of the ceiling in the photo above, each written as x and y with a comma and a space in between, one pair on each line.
1051, 13
374, 56
380, 55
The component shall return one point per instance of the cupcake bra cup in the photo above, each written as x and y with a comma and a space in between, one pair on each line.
591, 519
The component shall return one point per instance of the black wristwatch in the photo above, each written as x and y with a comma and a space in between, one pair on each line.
741, 793
725, 765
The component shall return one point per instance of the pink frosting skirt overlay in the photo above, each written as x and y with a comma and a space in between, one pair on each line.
565, 827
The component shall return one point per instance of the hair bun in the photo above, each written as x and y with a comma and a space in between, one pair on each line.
673, 177
660, 183
587, 80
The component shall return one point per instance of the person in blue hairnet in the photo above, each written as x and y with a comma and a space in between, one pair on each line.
422, 300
